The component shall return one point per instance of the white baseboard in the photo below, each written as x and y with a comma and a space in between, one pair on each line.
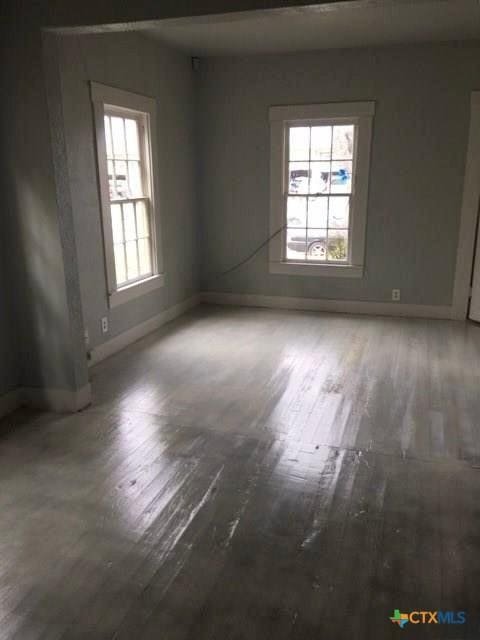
9, 402
66, 401
57, 400
60, 400
339, 306
126, 338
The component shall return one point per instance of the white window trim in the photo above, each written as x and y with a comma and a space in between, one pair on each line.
103, 97
359, 113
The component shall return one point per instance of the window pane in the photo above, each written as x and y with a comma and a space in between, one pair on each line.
321, 143
317, 212
342, 142
320, 182
299, 143
341, 177
145, 256
117, 227
143, 228
118, 136
133, 247
298, 177
108, 137
131, 132
296, 244
297, 212
338, 246
134, 179
317, 244
120, 271
129, 221
121, 179
132, 260
339, 208
111, 182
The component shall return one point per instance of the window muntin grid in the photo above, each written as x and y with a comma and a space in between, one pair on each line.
320, 165
129, 195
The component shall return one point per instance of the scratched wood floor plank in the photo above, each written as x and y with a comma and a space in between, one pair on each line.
248, 473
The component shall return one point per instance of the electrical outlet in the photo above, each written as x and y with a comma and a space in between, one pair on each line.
104, 325
395, 295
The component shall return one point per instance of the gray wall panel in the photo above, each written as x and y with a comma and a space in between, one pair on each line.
135, 63
419, 143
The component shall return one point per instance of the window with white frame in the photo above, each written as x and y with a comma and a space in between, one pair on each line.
319, 182
125, 123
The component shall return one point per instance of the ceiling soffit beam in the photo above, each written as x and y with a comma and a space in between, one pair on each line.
104, 16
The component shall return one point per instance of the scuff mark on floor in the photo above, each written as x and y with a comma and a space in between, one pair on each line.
233, 527
233, 524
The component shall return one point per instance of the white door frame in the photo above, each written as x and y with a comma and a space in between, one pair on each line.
468, 216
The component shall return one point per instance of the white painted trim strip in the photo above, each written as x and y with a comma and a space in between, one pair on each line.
56, 400
306, 269
339, 306
469, 212
135, 290
324, 110
113, 96
141, 330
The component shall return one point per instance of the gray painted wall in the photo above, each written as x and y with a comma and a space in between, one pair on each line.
46, 353
8, 355
401, 79
8, 362
32, 218
135, 63
419, 144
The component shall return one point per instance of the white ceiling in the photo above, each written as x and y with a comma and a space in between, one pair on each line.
349, 24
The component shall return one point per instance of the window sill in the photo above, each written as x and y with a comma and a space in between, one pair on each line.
135, 290
323, 270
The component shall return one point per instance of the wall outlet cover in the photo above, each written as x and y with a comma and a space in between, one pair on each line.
395, 295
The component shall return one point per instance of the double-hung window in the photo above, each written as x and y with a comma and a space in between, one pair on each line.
125, 128
320, 156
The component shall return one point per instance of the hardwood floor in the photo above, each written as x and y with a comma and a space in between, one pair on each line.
252, 474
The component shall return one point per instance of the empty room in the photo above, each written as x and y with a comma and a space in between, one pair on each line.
240, 320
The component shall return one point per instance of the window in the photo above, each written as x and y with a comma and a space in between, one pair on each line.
320, 157
125, 125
